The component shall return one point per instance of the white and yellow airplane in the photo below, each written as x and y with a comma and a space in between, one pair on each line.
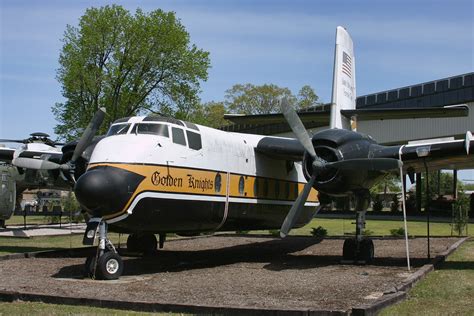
156, 175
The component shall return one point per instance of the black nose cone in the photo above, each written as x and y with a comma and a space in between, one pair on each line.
106, 190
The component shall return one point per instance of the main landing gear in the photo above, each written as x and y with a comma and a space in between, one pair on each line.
145, 243
106, 263
359, 249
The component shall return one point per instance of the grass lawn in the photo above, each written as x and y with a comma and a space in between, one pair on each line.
35, 308
16, 245
340, 227
35, 220
447, 291
335, 227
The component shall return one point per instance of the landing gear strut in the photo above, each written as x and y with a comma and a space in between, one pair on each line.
106, 263
359, 249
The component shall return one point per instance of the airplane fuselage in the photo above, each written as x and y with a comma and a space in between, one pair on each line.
173, 176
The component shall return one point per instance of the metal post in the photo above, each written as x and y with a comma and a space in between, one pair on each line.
404, 191
418, 192
427, 208
24, 218
455, 184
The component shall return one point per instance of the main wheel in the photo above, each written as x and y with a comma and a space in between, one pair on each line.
148, 243
349, 249
110, 266
132, 243
367, 250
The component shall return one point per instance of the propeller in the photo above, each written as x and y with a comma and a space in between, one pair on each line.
35, 137
84, 142
319, 164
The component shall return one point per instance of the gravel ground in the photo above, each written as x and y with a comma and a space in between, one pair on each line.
238, 271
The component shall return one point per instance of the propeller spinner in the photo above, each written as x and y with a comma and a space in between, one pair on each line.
319, 165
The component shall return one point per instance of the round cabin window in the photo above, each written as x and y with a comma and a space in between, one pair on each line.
241, 185
218, 183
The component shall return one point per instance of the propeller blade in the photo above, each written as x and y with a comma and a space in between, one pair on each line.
37, 164
296, 209
376, 164
297, 126
12, 141
88, 134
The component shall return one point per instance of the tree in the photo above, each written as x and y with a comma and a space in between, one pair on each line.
129, 64
390, 183
446, 181
210, 114
307, 97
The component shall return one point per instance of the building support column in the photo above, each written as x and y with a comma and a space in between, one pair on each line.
418, 192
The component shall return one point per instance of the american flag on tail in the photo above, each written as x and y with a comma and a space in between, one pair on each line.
347, 64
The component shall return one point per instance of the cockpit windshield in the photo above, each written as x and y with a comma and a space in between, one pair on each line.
150, 128
118, 129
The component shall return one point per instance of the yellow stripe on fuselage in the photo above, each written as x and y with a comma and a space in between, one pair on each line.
183, 180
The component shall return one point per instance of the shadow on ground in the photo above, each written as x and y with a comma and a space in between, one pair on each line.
276, 255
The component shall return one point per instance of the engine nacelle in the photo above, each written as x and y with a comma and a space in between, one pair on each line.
336, 145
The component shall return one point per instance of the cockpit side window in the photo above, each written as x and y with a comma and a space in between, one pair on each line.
194, 140
178, 136
149, 128
118, 129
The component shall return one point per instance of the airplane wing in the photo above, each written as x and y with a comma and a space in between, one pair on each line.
453, 154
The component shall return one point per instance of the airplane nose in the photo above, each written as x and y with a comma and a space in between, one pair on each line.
106, 190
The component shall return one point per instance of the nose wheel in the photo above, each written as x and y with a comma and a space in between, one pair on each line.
106, 263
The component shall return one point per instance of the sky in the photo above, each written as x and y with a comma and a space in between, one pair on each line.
289, 43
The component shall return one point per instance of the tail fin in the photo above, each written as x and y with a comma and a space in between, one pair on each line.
343, 86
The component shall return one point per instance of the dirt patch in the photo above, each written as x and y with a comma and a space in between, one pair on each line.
236, 271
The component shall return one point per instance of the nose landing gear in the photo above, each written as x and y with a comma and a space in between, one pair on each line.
106, 263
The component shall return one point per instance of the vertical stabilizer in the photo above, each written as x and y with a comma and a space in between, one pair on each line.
343, 85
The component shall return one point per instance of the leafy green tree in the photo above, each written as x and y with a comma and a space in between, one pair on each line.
390, 183
252, 99
209, 114
445, 183
307, 97
129, 64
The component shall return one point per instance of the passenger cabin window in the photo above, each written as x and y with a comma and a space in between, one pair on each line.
178, 136
118, 129
149, 128
194, 140
191, 126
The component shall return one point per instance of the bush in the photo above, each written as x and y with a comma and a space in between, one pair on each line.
368, 232
274, 232
377, 206
395, 204
397, 232
461, 214
319, 232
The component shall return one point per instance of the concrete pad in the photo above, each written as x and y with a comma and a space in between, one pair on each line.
43, 230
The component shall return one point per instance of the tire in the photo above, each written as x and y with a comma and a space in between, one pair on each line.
349, 249
110, 266
89, 266
132, 243
148, 243
367, 250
